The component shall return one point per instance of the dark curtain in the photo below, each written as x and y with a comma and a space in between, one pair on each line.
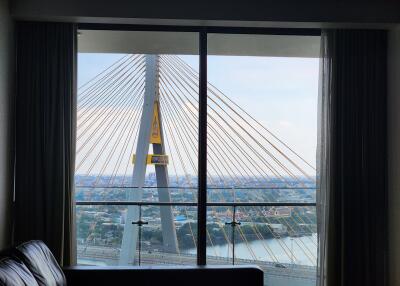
45, 136
352, 170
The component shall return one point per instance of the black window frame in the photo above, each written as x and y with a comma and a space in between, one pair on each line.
203, 32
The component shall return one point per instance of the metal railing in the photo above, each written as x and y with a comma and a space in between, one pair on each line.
234, 223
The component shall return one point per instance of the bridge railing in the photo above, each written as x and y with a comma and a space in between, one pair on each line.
270, 234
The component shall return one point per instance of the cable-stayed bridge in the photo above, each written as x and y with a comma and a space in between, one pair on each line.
152, 100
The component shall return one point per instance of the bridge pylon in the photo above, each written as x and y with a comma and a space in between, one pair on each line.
150, 132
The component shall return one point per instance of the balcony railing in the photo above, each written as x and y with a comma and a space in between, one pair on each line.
283, 244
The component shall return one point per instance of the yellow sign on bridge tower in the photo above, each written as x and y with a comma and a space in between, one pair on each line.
155, 138
155, 135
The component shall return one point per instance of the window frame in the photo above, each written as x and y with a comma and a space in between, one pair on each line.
203, 32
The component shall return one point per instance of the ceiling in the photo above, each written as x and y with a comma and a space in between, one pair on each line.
186, 43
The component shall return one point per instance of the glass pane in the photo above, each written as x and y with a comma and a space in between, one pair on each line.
262, 136
152, 247
99, 234
137, 135
284, 246
219, 235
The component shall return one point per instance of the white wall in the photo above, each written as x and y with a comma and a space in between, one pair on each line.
394, 155
6, 83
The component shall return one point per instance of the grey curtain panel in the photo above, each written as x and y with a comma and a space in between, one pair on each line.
324, 173
45, 136
352, 156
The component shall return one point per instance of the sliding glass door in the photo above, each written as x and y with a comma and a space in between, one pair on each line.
262, 132
136, 158
196, 146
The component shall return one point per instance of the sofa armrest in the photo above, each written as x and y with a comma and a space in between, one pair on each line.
176, 276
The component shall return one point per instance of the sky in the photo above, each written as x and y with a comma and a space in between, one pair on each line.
281, 93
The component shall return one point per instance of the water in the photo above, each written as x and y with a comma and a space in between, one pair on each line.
297, 250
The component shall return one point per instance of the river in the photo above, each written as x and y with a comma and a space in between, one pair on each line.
304, 250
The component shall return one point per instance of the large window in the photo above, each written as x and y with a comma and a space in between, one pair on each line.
130, 149
140, 121
262, 135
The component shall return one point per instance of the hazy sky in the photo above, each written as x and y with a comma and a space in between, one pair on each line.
281, 93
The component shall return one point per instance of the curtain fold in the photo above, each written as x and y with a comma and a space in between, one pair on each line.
352, 156
45, 136
324, 160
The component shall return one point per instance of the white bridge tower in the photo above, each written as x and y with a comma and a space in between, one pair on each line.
150, 132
